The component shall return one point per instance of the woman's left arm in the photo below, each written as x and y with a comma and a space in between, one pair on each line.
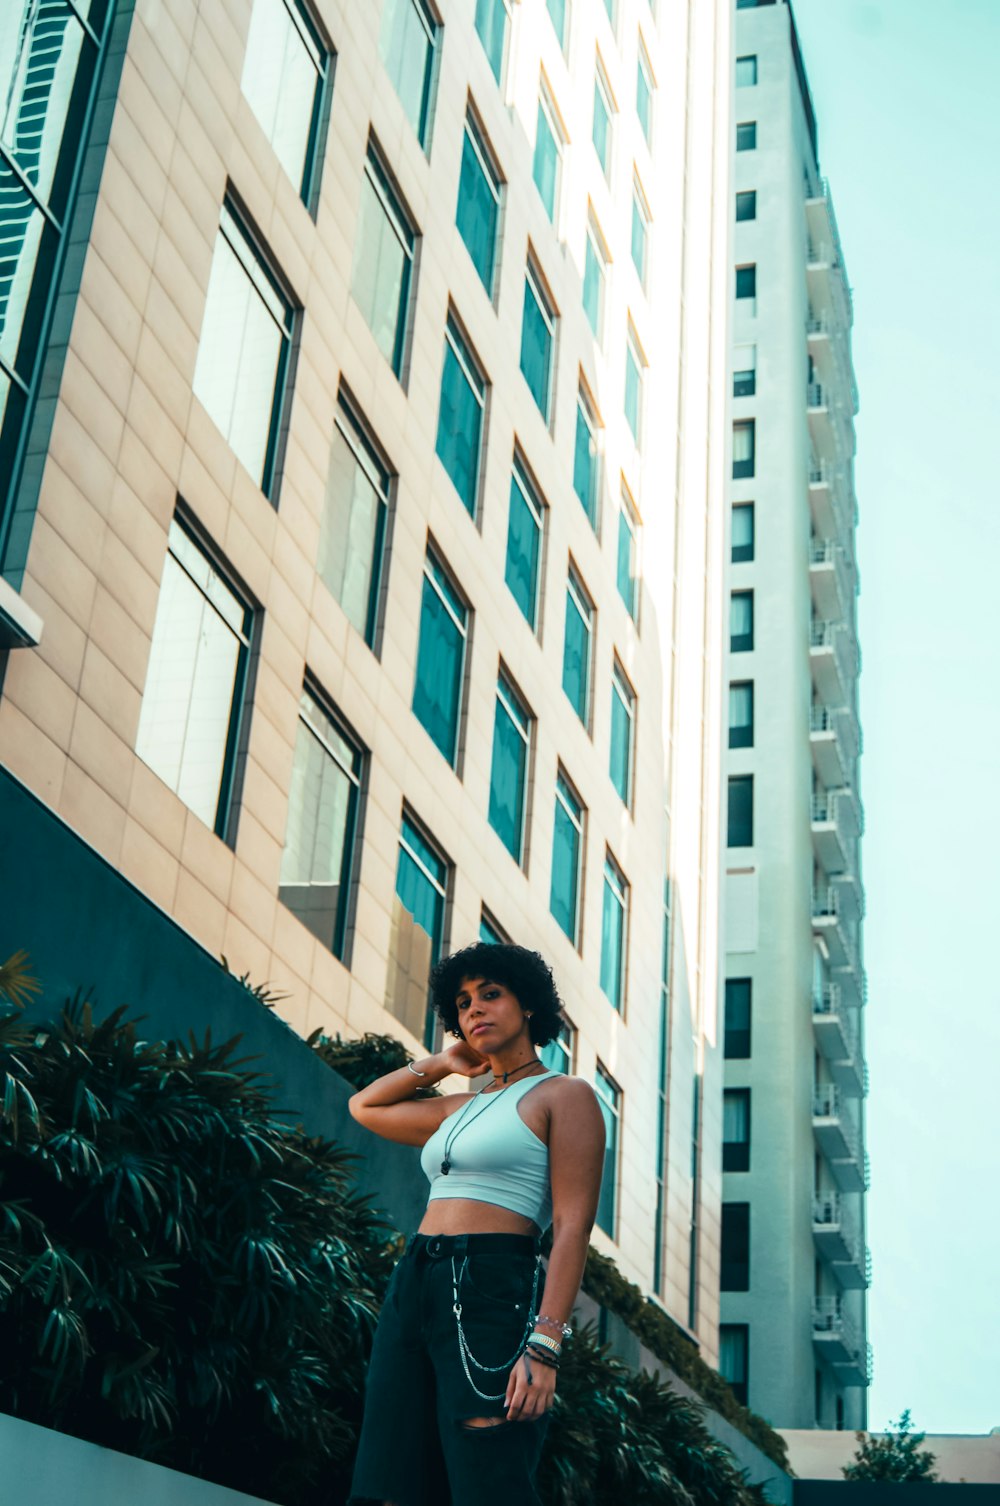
576, 1161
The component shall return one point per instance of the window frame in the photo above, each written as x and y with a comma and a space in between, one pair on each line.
432, 29
316, 41
611, 1102
474, 372
635, 354
601, 259
563, 1048
618, 886
623, 691
402, 224
644, 70
746, 740
566, 796
356, 433
748, 141
746, 205
548, 110
744, 468
740, 811
536, 287
587, 409
734, 1273
750, 297
629, 522
642, 215
522, 479
739, 1385
742, 643
737, 1039
736, 1153
482, 149
510, 700
749, 70
578, 597
747, 551
442, 887
434, 560
498, 74
603, 96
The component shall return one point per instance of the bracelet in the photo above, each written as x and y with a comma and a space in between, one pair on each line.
543, 1341
542, 1358
563, 1328
411, 1068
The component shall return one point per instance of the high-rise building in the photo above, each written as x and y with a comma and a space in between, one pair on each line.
794, 1259
362, 515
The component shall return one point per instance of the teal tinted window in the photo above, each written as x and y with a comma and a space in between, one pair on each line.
524, 544
489, 931
491, 24
545, 165
622, 723
633, 389
558, 1054
609, 1100
602, 123
593, 280
614, 914
644, 95
537, 341
576, 648
192, 701
478, 211
640, 226
627, 567
567, 852
284, 75
460, 419
509, 773
418, 926
246, 334
352, 533
406, 43
437, 691
322, 818
557, 11
585, 459
383, 262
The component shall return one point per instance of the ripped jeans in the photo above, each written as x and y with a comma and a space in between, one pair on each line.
416, 1447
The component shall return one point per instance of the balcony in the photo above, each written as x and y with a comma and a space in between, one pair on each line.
835, 1336
833, 657
822, 421
838, 1138
830, 292
849, 1071
834, 817
837, 1241
833, 919
835, 739
835, 1035
832, 579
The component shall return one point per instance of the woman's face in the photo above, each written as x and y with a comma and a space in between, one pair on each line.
489, 1015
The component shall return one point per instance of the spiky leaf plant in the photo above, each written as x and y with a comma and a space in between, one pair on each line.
182, 1276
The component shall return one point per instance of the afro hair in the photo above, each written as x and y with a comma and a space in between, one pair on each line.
525, 973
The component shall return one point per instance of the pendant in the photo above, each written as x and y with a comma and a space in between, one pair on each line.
445, 1167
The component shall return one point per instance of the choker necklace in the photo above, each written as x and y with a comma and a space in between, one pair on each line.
464, 1122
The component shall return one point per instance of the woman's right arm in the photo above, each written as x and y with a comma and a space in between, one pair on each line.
390, 1108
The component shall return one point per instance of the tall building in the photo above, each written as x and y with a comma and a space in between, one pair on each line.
362, 515
794, 1260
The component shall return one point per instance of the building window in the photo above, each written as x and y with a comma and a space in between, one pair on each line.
478, 213
594, 277
461, 417
737, 1021
567, 859
614, 933
558, 14
558, 1054
444, 631
745, 371
407, 43
524, 543
744, 448
734, 1359
491, 24
547, 160
634, 363
622, 729
640, 229
627, 565
603, 110
609, 6
735, 1254
746, 71
736, 1129
576, 646
746, 281
383, 262
644, 95
241, 371
746, 205
353, 529
322, 821
285, 74
192, 704
509, 775
538, 335
491, 932
746, 136
740, 622
739, 829
586, 457
417, 935
609, 1099
741, 714
742, 543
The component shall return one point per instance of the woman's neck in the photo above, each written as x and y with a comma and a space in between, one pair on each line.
514, 1064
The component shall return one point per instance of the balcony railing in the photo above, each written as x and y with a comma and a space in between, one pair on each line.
841, 723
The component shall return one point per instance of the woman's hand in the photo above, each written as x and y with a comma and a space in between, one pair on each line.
463, 1059
531, 1390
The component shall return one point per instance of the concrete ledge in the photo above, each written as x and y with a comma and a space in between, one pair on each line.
44, 1468
20, 626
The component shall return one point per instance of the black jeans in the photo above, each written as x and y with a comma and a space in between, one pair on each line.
416, 1447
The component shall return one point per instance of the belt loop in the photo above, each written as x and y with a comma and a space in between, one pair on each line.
462, 1244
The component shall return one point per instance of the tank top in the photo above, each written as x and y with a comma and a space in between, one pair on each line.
494, 1156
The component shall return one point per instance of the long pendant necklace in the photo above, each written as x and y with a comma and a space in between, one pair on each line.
464, 1121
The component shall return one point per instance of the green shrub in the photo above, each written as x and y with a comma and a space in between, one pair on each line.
363, 1061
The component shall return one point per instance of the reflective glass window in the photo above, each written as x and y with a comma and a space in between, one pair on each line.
594, 273
576, 646
609, 1100
633, 387
601, 129
383, 262
284, 73
627, 564
740, 622
417, 930
744, 448
322, 820
558, 1054
524, 544
586, 458
746, 136
742, 544
491, 24
437, 691
407, 42
548, 153
746, 71
746, 205
567, 857
42, 48
509, 771
538, 327
460, 418
622, 727
741, 714
740, 812
559, 12
614, 920
640, 230
478, 213
352, 534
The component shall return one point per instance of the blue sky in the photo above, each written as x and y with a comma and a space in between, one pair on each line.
909, 136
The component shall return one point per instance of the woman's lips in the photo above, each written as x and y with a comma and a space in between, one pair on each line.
478, 1029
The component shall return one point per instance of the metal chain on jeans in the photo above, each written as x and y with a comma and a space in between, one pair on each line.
465, 1353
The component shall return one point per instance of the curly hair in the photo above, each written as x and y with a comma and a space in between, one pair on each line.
525, 973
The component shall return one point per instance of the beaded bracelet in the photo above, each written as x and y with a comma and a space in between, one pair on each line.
563, 1328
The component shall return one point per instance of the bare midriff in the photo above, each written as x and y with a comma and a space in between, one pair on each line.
464, 1215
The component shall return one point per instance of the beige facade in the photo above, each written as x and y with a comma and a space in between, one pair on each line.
131, 442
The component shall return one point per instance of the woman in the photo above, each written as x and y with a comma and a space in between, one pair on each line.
466, 1356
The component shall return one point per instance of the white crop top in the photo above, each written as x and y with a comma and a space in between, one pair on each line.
494, 1157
